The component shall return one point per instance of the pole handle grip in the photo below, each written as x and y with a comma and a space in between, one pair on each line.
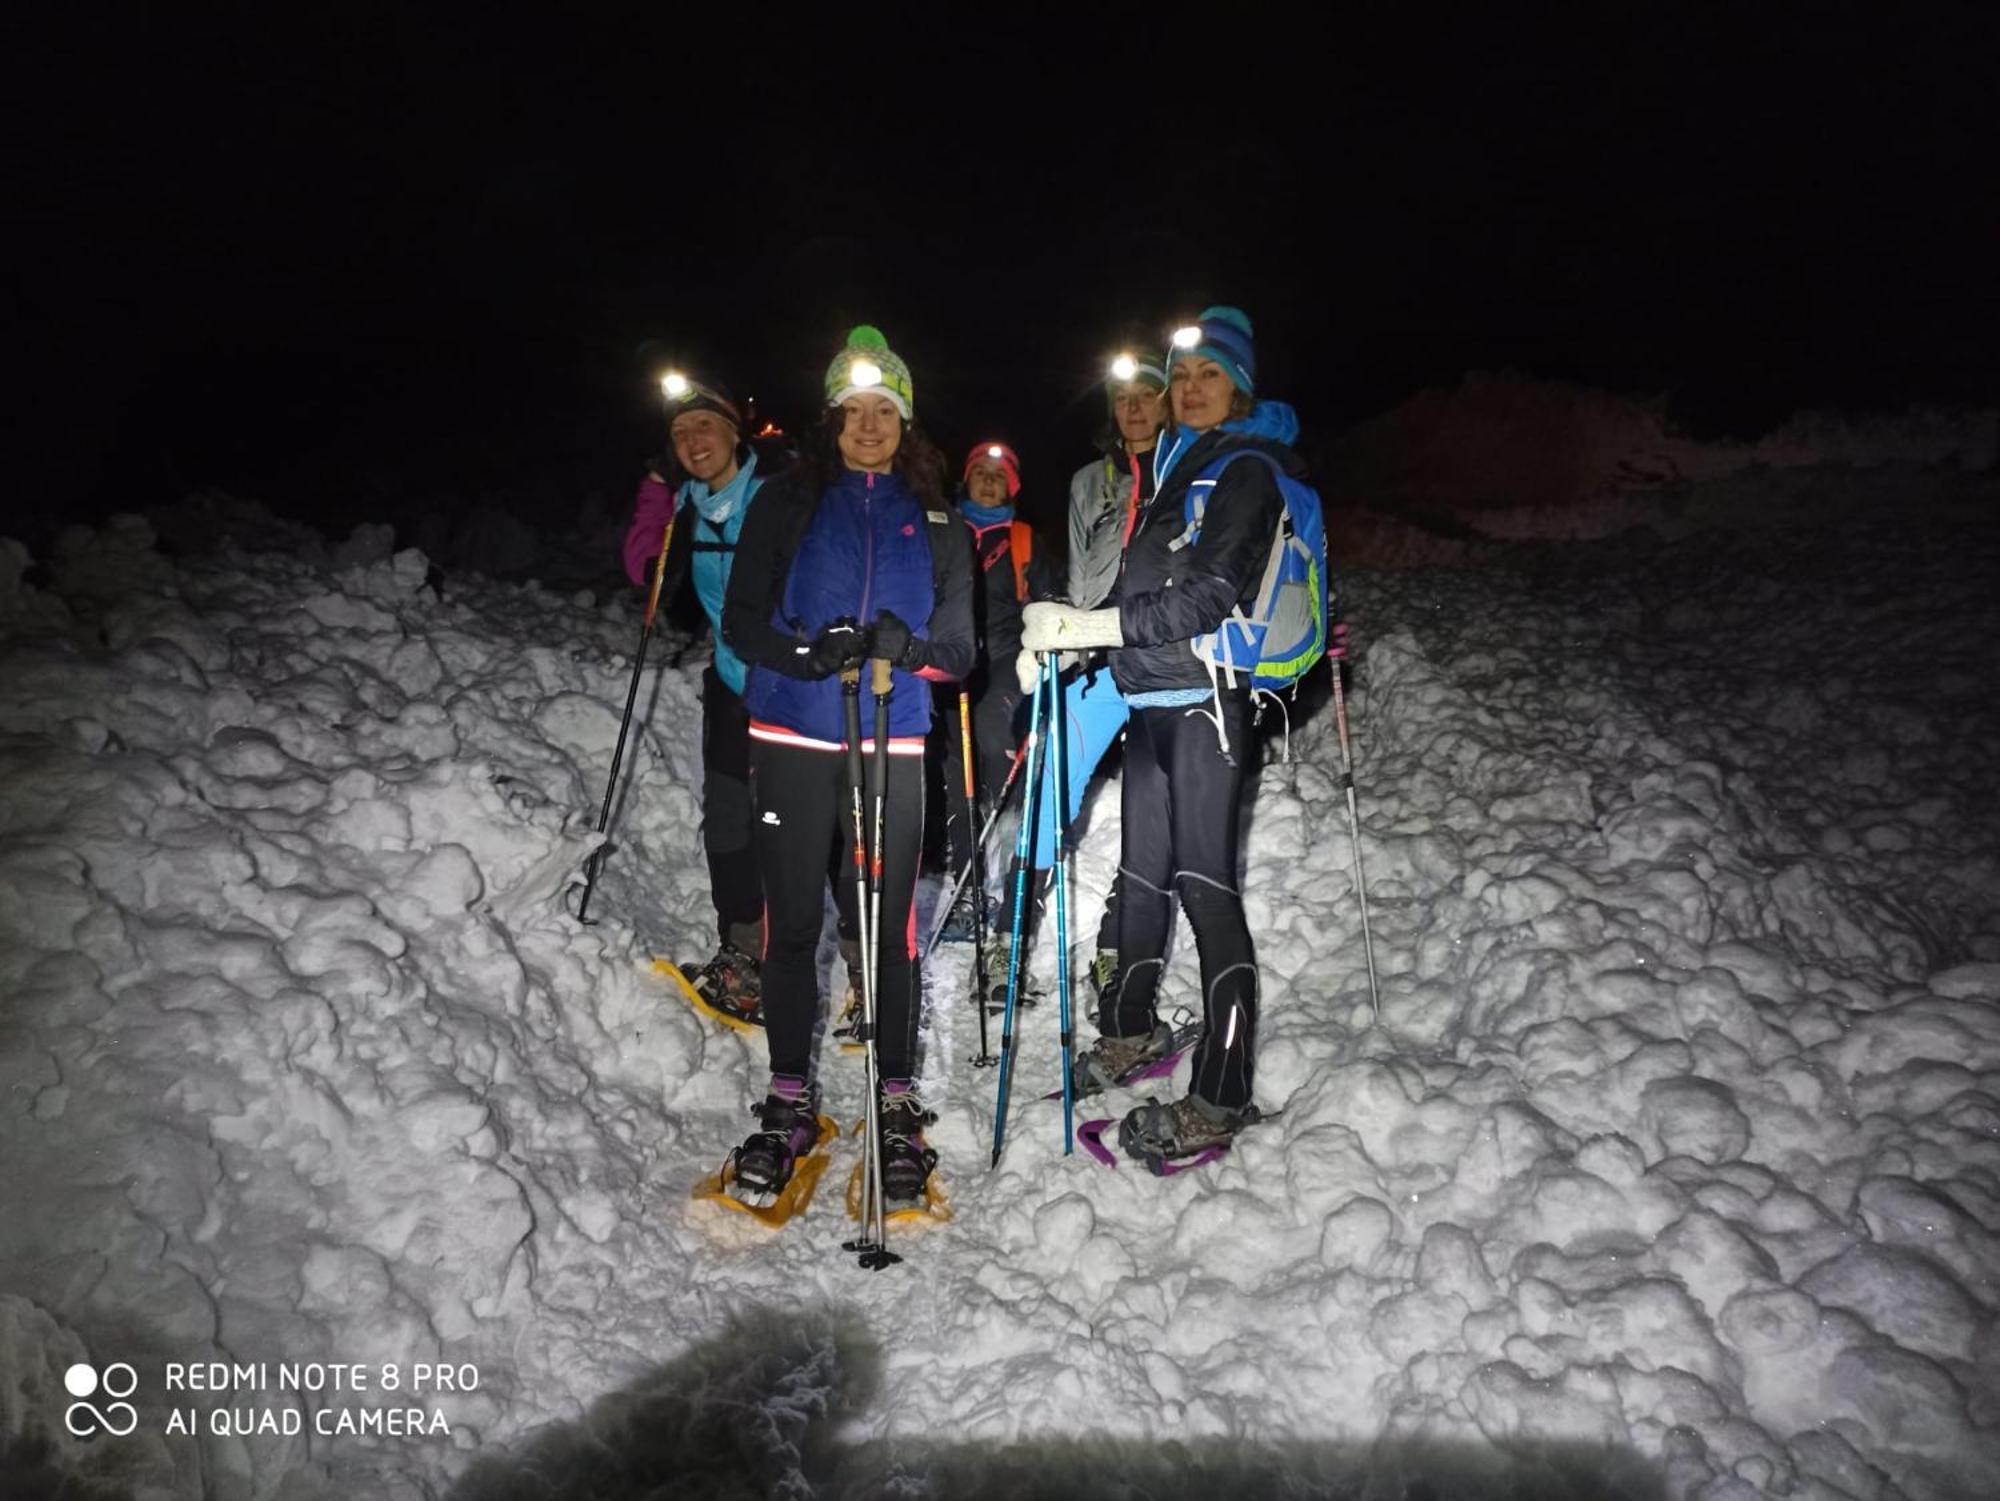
965, 743
659, 572
880, 665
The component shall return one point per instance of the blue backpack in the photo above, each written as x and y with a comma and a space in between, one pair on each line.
1278, 638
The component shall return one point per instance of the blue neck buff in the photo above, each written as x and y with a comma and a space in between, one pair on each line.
1274, 420
719, 505
983, 516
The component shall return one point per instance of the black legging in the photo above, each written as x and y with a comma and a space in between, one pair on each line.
1182, 807
803, 802
726, 820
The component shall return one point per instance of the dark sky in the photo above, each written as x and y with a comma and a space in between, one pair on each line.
368, 256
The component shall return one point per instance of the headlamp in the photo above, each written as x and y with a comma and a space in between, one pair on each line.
674, 385
1124, 368
995, 451
865, 373
1187, 338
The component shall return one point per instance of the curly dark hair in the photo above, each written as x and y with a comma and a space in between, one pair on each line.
918, 461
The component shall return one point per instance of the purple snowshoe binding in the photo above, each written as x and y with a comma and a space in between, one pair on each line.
1091, 1134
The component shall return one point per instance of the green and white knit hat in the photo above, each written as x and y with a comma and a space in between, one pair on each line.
867, 363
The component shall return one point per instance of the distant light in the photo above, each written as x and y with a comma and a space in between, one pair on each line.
1124, 368
995, 451
674, 384
865, 373
1187, 338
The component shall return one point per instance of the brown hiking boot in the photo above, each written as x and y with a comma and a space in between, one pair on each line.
1111, 1062
730, 984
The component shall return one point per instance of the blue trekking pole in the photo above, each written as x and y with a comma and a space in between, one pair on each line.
1059, 738
1031, 803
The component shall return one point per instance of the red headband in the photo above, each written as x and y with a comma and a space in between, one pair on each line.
996, 453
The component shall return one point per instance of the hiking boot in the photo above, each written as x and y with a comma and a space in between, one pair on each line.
1112, 1062
847, 1026
993, 981
961, 926
1189, 1127
787, 1129
906, 1161
730, 983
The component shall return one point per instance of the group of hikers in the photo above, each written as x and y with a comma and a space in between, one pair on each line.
860, 552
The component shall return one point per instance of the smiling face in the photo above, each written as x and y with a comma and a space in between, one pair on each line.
871, 430
1201, 391
986, 483
705, 445
1139, 409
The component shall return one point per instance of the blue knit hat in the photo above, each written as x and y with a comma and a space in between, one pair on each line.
1225, 336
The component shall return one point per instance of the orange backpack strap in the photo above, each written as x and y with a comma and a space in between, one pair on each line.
1021, 543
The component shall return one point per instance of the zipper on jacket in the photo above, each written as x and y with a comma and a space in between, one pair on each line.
1132, 506
868, 545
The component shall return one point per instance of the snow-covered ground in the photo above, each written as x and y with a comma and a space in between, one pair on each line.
1672, 1168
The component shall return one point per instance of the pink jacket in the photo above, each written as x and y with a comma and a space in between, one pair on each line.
655, 507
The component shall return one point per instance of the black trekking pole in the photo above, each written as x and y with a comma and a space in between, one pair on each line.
1354, 837
950, 897
1024, 843
873, 1242
596, 861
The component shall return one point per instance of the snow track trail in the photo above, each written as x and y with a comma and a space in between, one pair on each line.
1677, 1153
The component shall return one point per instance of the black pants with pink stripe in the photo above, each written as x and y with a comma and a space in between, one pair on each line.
803, 804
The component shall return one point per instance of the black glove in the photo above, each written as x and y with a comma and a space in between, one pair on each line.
894, 642
842, 644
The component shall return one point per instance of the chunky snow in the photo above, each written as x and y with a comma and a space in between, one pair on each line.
1673, 1165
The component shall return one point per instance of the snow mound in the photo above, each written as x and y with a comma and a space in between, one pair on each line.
1673, 1163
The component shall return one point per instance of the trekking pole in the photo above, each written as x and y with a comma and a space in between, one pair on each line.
1354, 837
1059, 738
624, 725
1031, 797
943, 913
881, 1256
850, 695
976, 865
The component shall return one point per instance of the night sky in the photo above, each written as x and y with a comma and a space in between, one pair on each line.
367, 259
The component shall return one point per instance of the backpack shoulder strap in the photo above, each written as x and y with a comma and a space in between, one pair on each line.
1021, 543
941, 529
1195, 504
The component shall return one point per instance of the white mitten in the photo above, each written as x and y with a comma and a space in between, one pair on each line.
1028, 667
1052, 627
1028, 670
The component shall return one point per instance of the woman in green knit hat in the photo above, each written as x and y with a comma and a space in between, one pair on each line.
854, 555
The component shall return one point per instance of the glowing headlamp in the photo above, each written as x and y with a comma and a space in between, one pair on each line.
864, 373
1187, 338
995, 451
1124, 368
674, 385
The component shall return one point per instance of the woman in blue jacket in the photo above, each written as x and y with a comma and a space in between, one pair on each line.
1182, 794
855, 555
